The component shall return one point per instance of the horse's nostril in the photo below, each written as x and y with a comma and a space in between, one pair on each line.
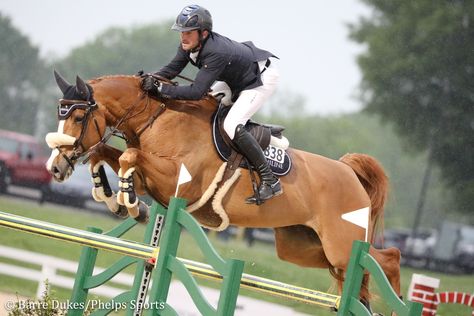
55, 170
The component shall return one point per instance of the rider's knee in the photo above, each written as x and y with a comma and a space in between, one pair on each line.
271, 79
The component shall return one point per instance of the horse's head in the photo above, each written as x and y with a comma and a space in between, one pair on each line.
80, 127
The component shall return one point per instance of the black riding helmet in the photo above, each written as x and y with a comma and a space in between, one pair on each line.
193, 17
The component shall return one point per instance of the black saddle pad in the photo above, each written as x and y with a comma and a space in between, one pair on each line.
278, 158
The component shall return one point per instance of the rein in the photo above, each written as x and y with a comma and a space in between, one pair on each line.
126, 116
115, 129
65, 109
150, 121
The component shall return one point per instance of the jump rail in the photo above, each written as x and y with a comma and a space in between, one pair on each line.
162, 261
142, 253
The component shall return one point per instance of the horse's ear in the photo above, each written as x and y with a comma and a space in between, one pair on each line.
82, 88
62, 83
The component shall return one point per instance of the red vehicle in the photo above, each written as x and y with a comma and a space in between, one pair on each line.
22, 162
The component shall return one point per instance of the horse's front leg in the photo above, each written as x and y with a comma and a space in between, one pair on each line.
130, 183
102, 192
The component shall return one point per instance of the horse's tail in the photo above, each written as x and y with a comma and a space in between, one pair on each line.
375, 181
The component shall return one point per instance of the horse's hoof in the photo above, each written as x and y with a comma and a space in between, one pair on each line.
121, 212
142, 218
143, 213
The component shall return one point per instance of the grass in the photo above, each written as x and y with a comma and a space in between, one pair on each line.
260, 259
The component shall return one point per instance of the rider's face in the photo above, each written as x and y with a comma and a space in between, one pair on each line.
190, 39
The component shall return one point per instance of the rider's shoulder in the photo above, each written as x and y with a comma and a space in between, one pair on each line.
217, 43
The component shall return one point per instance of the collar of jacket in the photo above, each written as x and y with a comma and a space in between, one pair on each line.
198, 50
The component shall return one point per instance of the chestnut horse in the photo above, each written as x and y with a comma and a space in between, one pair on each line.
163, 134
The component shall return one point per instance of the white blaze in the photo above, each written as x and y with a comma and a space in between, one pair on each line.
49, 140
49, 163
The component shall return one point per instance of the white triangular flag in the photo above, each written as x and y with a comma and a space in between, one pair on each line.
184, 176
359, 218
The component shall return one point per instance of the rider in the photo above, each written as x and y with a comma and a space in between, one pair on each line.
246, 69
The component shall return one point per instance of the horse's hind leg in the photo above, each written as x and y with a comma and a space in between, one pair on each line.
300, 245
389, 260
337, 243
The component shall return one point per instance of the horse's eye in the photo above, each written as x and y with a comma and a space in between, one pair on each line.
78, 118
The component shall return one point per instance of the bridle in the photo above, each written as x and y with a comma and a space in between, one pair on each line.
65, 110
67, 107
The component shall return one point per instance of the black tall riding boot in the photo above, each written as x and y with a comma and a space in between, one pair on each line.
269, 184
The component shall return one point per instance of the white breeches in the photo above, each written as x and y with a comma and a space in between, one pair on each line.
251, 100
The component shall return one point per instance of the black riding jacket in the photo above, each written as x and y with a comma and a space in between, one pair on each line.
220, 58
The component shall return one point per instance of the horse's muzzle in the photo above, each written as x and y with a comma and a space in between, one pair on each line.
60, 169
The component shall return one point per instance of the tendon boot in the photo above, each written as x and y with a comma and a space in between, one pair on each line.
269, 184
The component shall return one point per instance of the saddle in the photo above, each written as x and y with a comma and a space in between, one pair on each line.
263, 133
209, 209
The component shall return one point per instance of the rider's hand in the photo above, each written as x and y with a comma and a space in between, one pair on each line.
151, 85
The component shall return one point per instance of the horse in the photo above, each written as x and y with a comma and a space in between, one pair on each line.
164, 133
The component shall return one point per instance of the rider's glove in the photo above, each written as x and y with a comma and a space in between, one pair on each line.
151, 85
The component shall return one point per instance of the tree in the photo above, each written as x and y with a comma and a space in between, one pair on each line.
334, 136
117, 51
418, 71
122, 51
21, 73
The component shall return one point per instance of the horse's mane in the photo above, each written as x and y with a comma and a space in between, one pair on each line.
99, 79
207, 102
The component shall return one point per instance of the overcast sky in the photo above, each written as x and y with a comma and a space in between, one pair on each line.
310, 37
